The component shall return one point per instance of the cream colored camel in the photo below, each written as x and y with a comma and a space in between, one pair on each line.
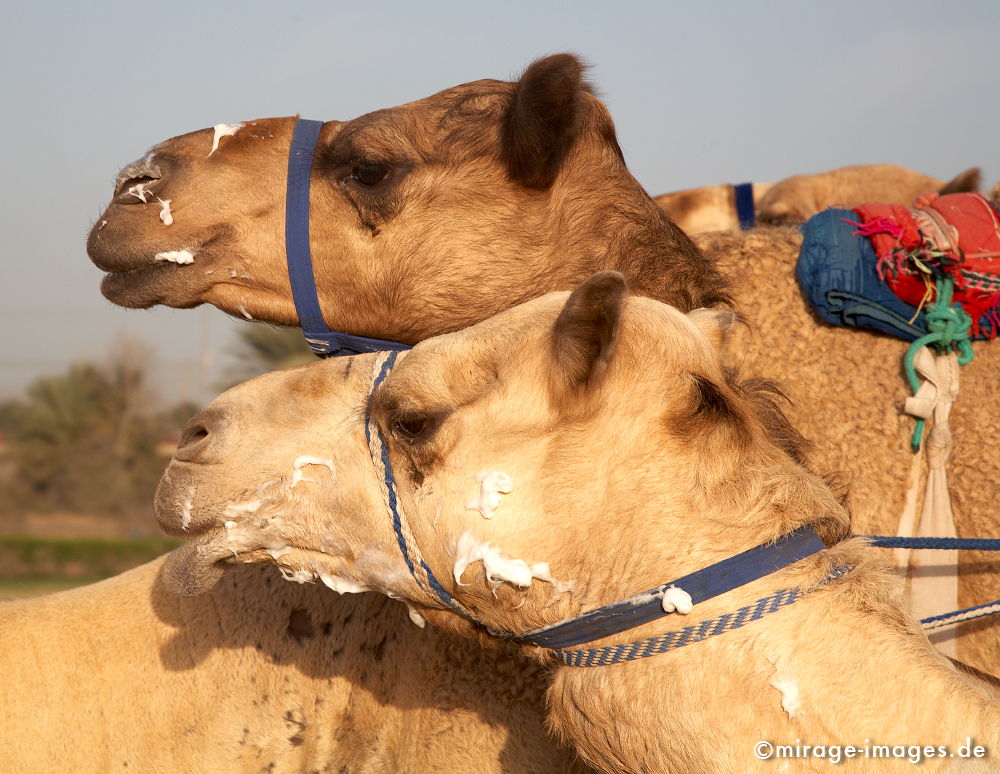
796, 199
628, 458
707, 208
436, 214
257, 675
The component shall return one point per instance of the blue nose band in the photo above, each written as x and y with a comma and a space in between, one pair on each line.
323, 341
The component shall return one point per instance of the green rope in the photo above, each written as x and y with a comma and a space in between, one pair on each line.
949, 328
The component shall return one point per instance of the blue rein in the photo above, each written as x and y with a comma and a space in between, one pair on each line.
704, 584
323, 341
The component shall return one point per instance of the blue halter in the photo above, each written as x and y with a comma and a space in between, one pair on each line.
704, 584
321, 340
744, 205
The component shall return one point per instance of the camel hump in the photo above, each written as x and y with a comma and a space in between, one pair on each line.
543, 119
965, 182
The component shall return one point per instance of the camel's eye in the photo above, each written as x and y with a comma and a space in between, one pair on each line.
369, 172
411, 428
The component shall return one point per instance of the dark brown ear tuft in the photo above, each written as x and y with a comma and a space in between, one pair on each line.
712, 405
965, 182
542, 122
711, 408
586, 330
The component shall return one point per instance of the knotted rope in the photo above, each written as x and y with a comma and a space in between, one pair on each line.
931, 591
949, 327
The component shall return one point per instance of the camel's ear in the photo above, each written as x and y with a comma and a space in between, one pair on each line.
542, 121
965, 182
715, 324
586, 330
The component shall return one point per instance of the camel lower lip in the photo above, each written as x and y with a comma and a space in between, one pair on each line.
144, 286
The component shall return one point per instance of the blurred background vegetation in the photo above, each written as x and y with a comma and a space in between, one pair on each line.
81, 453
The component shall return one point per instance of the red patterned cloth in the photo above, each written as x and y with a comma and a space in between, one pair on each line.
957, 234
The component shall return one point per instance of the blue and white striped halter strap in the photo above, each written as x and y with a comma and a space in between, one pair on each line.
701, 585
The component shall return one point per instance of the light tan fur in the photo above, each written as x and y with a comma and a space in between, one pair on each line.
258, 674
634, 460
846, 392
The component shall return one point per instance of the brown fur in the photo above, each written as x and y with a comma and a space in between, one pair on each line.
615, 501
587, 329
708, 208
461, 242
542, 121
446, 155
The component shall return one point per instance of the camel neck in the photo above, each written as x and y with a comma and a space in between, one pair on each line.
660, 261
826, 671
624, 230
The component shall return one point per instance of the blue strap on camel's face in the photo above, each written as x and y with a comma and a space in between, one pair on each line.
704, 584
323, 341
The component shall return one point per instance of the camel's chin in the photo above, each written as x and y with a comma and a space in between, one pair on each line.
196, 567
191, 569
148, 286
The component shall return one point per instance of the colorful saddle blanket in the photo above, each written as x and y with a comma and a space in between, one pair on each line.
874, 267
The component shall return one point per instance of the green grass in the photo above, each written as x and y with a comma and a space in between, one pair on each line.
24, 558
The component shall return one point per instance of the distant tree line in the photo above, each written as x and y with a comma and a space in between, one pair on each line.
95, 439
85, 441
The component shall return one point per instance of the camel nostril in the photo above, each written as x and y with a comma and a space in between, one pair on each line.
136, 190
204, 438
133, 182
192, 435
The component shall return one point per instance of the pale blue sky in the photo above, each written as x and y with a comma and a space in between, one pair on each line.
701, 93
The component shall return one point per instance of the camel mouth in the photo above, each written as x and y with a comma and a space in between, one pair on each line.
197, 565
135, 257
141, 287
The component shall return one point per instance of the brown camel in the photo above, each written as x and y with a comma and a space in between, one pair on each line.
575, 451
436, 214
796, 199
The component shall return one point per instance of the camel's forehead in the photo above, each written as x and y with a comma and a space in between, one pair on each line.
484, 92
333, 388
454, 366
424, 125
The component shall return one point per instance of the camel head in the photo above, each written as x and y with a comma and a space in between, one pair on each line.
796, 199
424, 218
525, 450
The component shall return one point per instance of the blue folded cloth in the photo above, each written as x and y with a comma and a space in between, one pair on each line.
836, 270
